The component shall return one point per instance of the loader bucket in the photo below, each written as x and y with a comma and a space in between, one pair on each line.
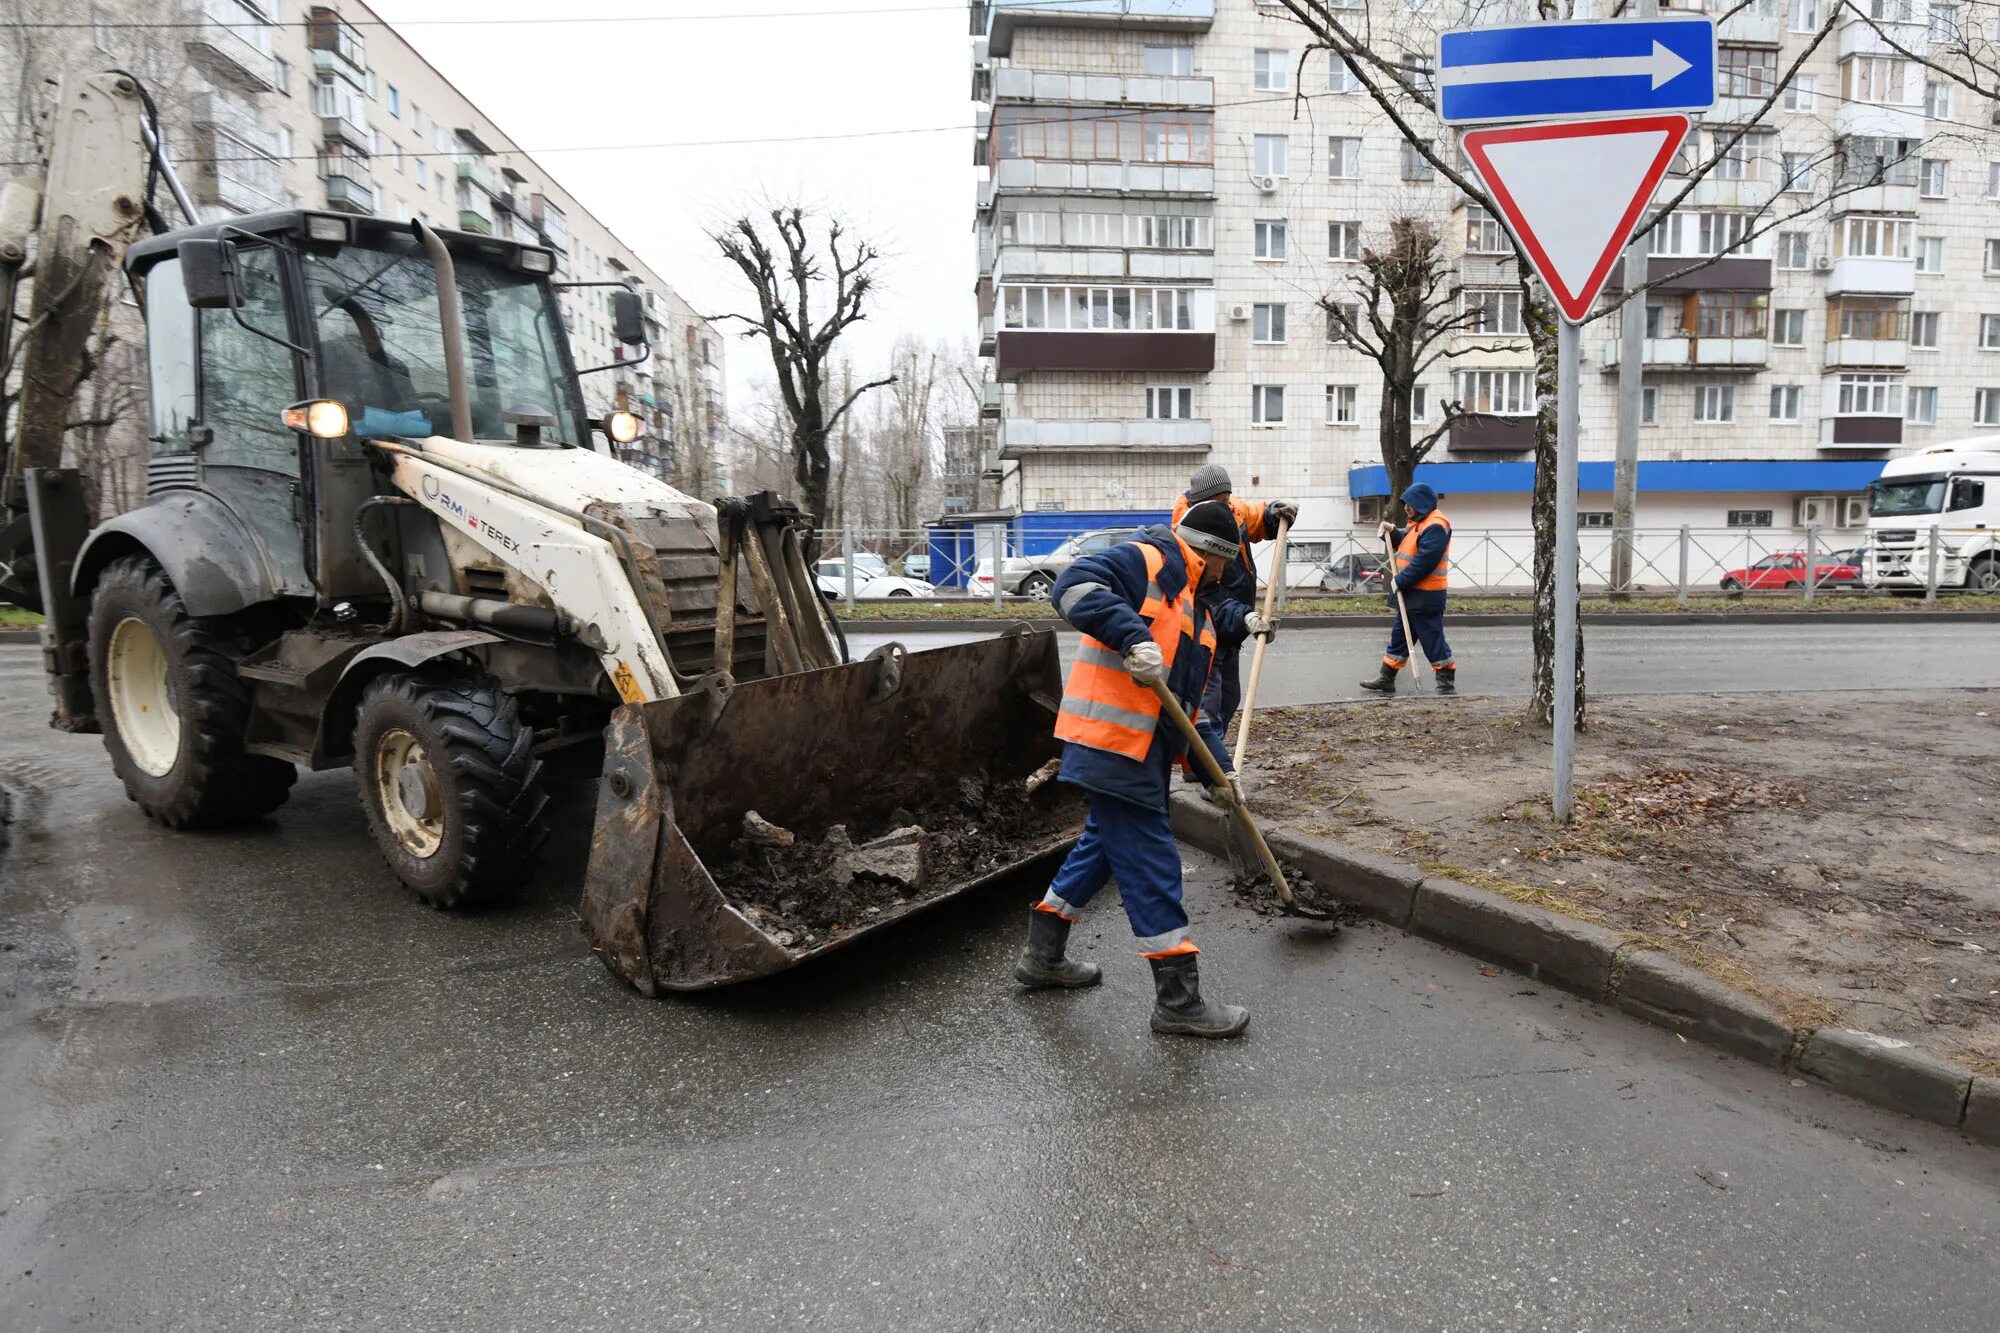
742, 829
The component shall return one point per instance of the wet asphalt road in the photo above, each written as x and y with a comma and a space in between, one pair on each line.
1316, 665
247, 1084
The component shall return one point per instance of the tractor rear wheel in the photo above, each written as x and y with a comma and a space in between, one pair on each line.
173, 710
451, 784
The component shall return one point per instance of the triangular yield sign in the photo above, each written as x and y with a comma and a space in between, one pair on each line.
1573, 194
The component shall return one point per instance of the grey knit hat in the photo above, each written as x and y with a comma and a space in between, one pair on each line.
1209, 480
1210, 527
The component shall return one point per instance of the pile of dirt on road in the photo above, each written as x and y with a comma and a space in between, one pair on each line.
1832, 853
803, 889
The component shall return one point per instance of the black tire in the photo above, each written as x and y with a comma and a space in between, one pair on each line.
476, 776
901, 592
1984, 576
1731, 585
1037, 587
209, 782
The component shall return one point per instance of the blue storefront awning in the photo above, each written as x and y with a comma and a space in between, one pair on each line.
1807, 475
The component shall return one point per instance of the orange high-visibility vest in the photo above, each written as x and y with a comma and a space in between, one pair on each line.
1102, 706
1406, 551
1249, 521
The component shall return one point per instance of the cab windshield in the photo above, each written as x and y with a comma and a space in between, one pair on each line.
381, 348
1914, 495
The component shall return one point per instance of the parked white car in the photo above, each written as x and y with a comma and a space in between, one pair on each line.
872, 579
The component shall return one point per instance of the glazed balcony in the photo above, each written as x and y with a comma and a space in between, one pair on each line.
1013, 83
1020, 436
998, 20
1062, 176
230, 40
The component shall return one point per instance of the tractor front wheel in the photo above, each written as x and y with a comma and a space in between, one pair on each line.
173, 710
451, 784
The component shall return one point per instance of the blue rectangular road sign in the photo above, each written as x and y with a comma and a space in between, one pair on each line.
1575, 71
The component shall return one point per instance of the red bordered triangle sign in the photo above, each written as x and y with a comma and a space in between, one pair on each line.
1573, 194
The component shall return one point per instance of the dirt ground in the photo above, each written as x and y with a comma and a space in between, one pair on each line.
1837, 854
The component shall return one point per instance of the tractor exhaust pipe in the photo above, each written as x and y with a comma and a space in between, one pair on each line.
452, 320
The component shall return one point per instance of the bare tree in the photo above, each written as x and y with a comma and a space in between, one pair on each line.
1405, 314
808, 293
907, 461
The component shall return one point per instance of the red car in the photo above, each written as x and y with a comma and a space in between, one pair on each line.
1787, 569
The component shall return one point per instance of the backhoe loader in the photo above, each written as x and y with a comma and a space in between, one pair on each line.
377, 535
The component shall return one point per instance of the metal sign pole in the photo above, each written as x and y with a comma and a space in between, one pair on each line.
1569, 340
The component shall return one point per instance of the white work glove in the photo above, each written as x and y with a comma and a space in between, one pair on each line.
1385, 529
1283, 511
1258, 626
1146, 663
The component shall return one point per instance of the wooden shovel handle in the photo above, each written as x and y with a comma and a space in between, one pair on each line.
1263, 641
1218, 778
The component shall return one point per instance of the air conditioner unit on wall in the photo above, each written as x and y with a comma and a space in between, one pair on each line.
1822, 264
1239, 312
1853, 511
1367, 510
1815, 511
1265, 184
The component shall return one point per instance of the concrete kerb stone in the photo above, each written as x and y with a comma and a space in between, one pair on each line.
1541, 943
1383, 888
1650, 985
1889, 1073
1982, 1111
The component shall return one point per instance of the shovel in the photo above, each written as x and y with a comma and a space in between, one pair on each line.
1409, 640
1220, 780
1263, 641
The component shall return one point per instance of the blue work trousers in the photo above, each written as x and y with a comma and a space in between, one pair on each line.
1218, 706
1136, 845
1428, 626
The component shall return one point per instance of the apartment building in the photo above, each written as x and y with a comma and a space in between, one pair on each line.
1174, 186
272, 104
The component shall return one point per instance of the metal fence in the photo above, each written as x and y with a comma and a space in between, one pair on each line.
874, 564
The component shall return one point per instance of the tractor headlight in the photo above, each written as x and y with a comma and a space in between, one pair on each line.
622, 427
321, 418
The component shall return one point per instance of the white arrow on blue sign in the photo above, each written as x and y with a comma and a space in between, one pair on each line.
1575, 71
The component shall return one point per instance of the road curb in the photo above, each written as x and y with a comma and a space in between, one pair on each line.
20, 636
1604, 965
1500, 619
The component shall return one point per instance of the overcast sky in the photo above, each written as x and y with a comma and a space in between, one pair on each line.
588, 97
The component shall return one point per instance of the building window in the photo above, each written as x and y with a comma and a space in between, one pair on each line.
1989, 333
1729, 315
1099, 309
1871, 318
100, 30
1748, 518
1267, 323
1930, 254
1993, 257
1268, 155
1879, 80
1649, 404
1169, 402
1483, 233
1594, 518
1798, 172
417, 119
1420, 403
1267, 404
1169, 61
1794, 249
1870, 396
1271, 71
1944, 22
1505, 393
281, 75
1922, 403
1868, 237
1343, 322
1343, 159
1084, 134
1343, 240
1416, 167
1492, 312
1930, 178
1715, 402
1269, 238
1340, 76
1986, 407
1340, 404
1788, 328
1786, 402
423, 174
1924, 330
395, 102
1993, 180
1804, 15
1746, 71
1802, 93
1937, 100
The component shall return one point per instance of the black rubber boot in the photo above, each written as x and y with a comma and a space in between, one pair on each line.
1447, 680
1178, 1008
1384, 683
1042, 962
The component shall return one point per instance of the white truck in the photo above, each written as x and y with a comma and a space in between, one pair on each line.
1954, 488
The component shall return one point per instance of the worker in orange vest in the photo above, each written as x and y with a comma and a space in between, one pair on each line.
1144, 619
1423, 560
